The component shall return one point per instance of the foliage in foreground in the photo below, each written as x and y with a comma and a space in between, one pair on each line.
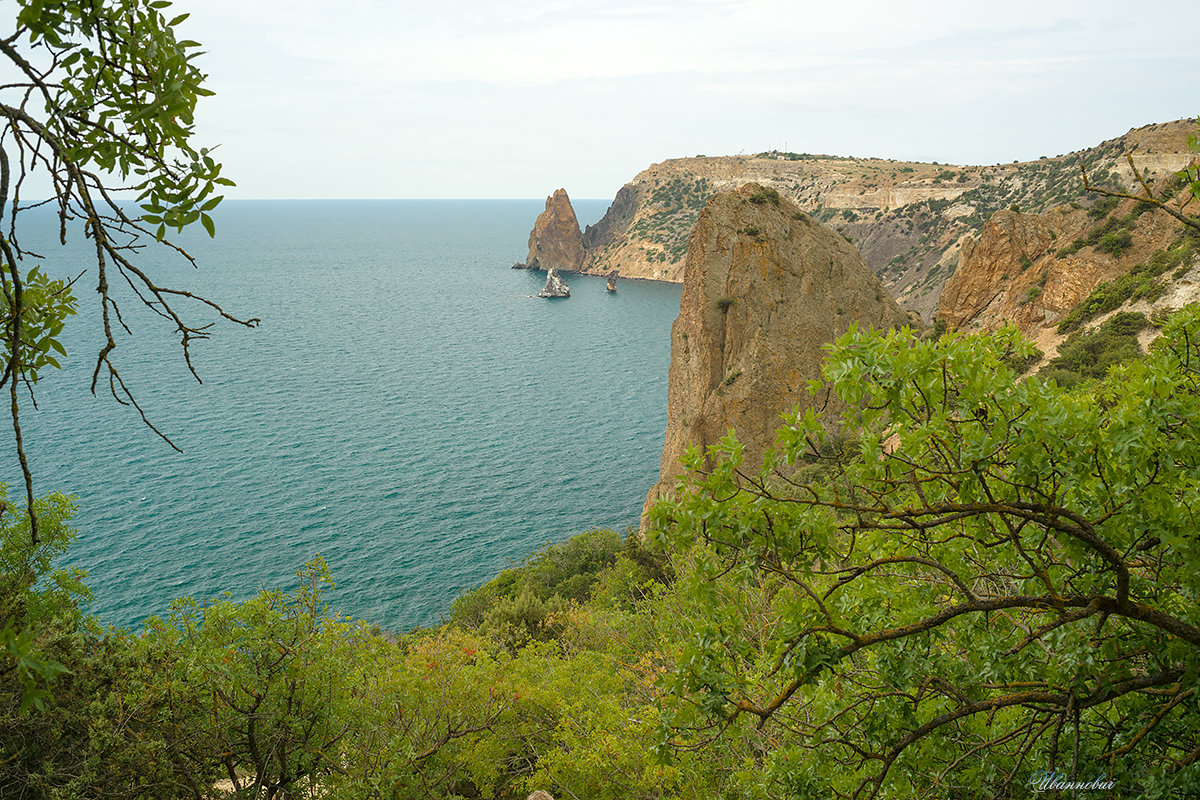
1002, 582
973, 582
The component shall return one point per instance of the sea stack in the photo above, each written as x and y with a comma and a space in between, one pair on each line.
555, 241
555, 286
611, 286
765, 288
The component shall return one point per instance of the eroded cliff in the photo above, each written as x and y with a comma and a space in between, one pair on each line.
765, 287
908, 219
1048, 274
556, 241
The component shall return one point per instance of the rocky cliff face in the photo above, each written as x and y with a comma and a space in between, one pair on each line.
555, 285
1031, 270
908, 219
556, 241
764, 288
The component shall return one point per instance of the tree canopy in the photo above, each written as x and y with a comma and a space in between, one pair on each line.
975, 579
97, 115
96, 121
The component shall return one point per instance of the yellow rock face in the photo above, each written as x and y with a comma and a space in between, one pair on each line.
765, 287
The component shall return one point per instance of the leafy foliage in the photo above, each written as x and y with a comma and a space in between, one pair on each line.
1091, 354
100, 99
1000, 581
38, 603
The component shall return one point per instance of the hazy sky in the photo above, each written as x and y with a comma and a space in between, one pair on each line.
514, 98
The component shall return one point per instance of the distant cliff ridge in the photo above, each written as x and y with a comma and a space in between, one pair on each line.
765, 287
907, 219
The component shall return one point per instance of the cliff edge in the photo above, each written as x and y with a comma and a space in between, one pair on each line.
907, 219
765, 287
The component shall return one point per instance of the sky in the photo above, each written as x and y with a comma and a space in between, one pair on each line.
515, 98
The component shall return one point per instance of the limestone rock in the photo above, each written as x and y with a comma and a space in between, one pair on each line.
997, 266
765, 287
907, 219
1014, 275
555, 286
556, 241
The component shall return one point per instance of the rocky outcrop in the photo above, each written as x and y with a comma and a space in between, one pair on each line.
908, 219
1030, 270
995, 269
556, 241
765, 287
555, 286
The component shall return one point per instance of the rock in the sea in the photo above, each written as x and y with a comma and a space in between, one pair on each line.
765, 288
555, 286
611, 286
556, 241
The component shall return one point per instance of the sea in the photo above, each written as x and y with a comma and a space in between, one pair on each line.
406, 408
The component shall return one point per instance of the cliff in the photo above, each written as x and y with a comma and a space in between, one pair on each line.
765, 287
908, 219
556, 241
1050, 273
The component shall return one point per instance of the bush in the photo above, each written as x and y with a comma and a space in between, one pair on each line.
765, 196
1141, 282
517, 603
1090, 355
1115, 243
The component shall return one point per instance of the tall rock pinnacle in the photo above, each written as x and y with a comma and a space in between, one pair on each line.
556, 241
764, 289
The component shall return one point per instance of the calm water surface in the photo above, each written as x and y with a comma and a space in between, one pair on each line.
405, 409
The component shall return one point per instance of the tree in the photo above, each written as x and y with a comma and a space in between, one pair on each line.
258, 691
100, 112
996, 579
96, 119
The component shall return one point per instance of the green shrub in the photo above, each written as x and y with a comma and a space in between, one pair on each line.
765, 196
724, 303
1103, 207
1141, 282
1115, 243
1090, 355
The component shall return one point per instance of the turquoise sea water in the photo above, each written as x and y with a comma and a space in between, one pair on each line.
405, 409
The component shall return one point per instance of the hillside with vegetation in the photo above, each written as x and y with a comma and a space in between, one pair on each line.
908, 219
967, 584
976, 582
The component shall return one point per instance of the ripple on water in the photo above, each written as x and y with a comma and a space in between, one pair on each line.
404, 410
